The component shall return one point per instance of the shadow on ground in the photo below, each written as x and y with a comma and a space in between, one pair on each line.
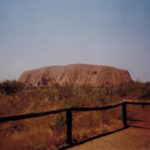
73, 144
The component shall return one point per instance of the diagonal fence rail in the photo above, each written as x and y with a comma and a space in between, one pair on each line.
70, 110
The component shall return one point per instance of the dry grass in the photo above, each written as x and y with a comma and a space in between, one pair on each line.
50, 132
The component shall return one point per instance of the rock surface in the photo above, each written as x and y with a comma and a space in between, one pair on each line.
76, 74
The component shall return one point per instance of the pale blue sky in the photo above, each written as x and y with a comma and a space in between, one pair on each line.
38, 33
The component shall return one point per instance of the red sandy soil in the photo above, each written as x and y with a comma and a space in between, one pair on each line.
128, 139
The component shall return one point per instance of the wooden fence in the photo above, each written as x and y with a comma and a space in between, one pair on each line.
70, 110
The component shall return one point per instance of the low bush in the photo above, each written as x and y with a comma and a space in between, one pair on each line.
10, 87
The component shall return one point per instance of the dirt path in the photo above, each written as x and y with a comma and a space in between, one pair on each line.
128, 139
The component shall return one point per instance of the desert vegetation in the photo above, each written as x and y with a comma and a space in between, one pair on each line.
50, 132
10, 87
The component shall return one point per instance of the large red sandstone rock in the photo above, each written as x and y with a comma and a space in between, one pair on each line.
77, 74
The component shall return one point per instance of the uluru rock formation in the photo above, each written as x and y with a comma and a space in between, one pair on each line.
76, 74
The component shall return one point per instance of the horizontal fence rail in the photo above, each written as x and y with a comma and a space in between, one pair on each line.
30, 115
70, 110
137, 102
40, 114
103, 107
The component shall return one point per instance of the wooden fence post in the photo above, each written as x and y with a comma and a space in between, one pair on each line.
124, 114
69, 126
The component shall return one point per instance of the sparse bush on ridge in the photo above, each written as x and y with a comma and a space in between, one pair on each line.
10, 87
134, 90
103, 94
